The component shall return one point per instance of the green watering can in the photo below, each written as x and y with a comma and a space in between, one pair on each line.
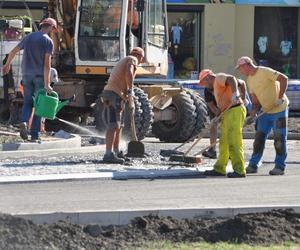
48, 105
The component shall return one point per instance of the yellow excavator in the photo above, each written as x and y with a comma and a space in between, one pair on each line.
93, 36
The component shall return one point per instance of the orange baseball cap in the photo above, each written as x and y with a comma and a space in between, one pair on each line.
204, 73
50, 21
243, 60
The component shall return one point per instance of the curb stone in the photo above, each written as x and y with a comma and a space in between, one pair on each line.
74, 141
123, 217
108, 175
50, 152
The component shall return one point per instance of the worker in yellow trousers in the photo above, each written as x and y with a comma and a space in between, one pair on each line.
231, 106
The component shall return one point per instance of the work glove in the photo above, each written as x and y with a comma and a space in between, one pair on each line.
279, 102
235, 97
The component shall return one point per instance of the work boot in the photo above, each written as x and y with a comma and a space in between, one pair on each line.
251, 169
113, 159
276, 171
213, 173
23, 131
35, 139
235, 175
122, 156
211, 153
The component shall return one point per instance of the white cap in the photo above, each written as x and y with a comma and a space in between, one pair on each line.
54, 75
243, 60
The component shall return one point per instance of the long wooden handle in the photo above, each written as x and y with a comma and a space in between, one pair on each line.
133, 130
263, 113
202, 133
207, 148
193, 145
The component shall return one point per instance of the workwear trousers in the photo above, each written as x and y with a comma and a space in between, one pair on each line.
231, 141
264, 124
31, 85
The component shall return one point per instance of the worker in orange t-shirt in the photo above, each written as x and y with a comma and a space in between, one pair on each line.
229, 101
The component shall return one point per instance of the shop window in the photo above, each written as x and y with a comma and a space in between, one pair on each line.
184, 44
275, 38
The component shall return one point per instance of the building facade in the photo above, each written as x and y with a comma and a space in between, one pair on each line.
214, 35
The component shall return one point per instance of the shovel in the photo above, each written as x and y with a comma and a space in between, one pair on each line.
260, 115
197, 158
135, 147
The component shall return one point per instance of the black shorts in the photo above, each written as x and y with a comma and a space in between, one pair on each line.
113, 111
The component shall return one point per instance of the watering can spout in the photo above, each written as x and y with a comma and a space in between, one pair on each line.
64, 103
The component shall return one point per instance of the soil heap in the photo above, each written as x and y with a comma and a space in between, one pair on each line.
272, 227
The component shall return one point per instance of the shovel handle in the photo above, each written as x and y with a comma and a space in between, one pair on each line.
133, 130
201, 134
193, 145
207, 148
263, 113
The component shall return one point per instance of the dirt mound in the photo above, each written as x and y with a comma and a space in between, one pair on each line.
256, 228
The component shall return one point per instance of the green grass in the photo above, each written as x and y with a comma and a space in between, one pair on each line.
165, 245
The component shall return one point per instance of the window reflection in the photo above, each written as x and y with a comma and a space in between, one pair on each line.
99, 30
156, 29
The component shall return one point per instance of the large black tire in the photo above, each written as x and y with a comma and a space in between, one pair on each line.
181, 129
147, 112
201, 112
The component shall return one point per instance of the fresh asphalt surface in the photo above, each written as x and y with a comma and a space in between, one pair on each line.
146, 194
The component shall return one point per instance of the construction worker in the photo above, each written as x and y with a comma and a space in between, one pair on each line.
36, 64
214, 111
267, 88
230, 104
119, 90
53, 79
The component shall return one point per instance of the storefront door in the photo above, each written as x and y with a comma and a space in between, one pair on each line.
184, 45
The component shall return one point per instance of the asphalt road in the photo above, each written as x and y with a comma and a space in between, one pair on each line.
261, 190
111, 195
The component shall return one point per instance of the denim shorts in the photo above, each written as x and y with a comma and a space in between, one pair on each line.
113, 109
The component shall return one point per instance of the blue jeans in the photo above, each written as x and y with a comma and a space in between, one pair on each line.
277, 122
31, 85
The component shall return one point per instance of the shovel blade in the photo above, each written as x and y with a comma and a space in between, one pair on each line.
175, 157
187, 159
169, 152
136, 149
193, 159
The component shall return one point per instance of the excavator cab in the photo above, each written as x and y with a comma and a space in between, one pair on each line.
107, 30
94, 35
